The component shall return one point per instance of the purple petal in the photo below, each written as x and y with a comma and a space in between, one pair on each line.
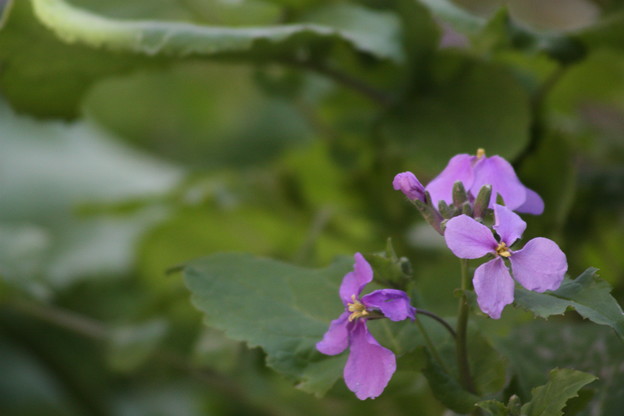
459, 168
354, 281
336, 339
540, 265
499, 173
494, 287
469, 239
407, 183
533, 204
370, 366
508, 224
393, 303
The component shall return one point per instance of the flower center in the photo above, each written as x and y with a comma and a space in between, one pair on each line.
502, 250
356, 308
480, 153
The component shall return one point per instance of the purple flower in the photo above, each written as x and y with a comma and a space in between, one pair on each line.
369, 366
475, 172
539, 266
407, 183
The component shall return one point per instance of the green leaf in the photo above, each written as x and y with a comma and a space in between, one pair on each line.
281, 308
446, 388
70, 48
489, 367
537, 347
493, 408
550, 399
461, 19
182, 39
454, 114
44, 76
587, 294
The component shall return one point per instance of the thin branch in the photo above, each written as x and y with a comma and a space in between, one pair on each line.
374, 94
63, 318
432, 315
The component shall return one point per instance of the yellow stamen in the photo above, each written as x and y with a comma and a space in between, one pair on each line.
480, 153
356, 308
502, 250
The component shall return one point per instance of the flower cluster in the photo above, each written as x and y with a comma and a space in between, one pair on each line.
469, 193
474, 172
539, 266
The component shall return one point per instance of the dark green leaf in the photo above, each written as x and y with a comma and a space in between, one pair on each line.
447, 390
493, 408
587, 294
536, 348
459, 111
551, 398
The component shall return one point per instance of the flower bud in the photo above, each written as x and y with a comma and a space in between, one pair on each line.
407, 183
482, 202
459, 194
446, 211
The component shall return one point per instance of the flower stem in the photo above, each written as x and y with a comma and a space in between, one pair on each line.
432, 315
462, 333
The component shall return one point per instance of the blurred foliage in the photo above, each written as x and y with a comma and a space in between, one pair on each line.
136, 136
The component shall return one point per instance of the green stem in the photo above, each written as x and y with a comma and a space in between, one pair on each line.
431, 346
435, 317
462, 333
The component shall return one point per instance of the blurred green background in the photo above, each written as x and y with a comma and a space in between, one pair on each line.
137, 135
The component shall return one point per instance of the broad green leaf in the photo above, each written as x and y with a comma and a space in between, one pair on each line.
489, 367
44, 76
587, 294
550, 399
550, 172
461, 19
536, 348
454, 114
190, 113
488, 370
281, 308
218, 12
180, 39
587, 103
446, 388
65, 49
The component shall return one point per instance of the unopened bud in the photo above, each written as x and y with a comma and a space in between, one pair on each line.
482, 202
466, 209
407, 183
459, 194
446, 211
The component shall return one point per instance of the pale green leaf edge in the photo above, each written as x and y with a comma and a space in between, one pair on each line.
560, 304
75, 25
565, 381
